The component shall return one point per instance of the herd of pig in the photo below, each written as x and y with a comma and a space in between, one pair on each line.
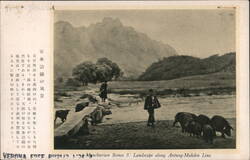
95, 117
203, 126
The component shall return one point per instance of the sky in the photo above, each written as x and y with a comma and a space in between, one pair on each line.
199, 33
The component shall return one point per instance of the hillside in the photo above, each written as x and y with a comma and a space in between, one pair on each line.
182, 66
131, 50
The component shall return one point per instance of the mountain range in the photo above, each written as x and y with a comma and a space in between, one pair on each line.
133, 51
182, 66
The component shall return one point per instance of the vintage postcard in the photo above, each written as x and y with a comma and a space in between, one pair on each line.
152, 79
145, 80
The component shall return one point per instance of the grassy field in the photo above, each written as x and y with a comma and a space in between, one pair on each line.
217, 83
200, 81
215, 80
136, 135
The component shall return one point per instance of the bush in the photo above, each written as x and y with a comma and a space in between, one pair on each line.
73, 82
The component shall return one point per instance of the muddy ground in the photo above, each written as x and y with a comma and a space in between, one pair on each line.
136, 135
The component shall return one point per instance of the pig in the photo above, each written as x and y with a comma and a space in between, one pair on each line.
183, 118
220, 124
185, 123
190, 127
203, 119
208, 133
197, 129
98, 115
194, 128
81, 106
62, 114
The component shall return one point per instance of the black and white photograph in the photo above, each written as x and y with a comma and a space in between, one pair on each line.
145, 79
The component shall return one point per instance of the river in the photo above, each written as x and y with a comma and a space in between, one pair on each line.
224, 105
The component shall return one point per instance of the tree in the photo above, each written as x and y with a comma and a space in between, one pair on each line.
115, 70
103, 70
85, 73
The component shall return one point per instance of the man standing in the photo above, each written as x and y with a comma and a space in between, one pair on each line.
151, 103
104, 91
